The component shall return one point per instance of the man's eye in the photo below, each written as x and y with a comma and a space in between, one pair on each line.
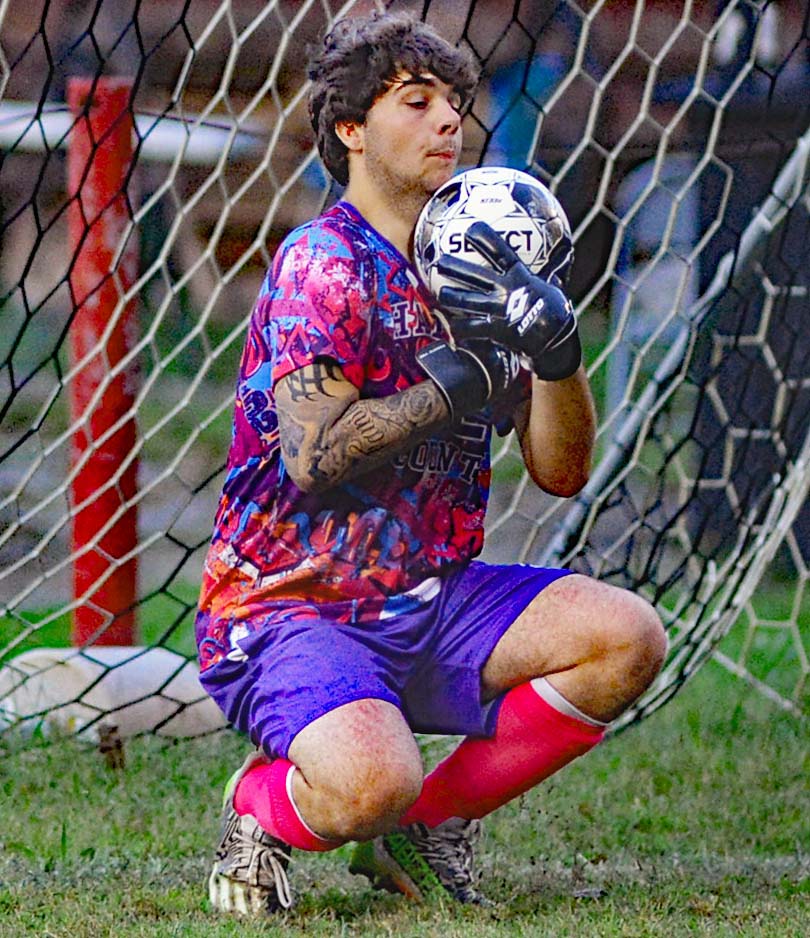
418, 103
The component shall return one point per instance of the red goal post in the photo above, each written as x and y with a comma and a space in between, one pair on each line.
104, 266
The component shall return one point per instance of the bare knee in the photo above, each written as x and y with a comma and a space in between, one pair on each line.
360, 769
373, 799
617, 646
647, 637
634, 645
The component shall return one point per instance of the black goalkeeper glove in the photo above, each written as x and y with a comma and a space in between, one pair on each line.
508, 304
469, 375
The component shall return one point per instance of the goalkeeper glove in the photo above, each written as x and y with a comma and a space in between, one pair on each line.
470, 374
510, 305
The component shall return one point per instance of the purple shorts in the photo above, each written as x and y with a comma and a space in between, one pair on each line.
427, 662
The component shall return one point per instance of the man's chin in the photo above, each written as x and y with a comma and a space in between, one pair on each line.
437, 180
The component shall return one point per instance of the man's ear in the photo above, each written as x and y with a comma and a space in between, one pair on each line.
350, 134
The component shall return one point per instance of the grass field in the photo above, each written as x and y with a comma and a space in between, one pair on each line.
697, 822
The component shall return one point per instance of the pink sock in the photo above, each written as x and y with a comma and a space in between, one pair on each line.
265, 792
532, 741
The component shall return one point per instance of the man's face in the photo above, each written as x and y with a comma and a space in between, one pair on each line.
412, 135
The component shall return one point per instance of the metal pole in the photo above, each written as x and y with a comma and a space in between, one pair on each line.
102, 386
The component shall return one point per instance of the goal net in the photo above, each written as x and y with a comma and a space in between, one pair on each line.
133, 245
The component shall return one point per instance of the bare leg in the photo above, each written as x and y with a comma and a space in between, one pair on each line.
598, 645
358, 770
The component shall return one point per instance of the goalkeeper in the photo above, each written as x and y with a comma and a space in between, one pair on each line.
342, 607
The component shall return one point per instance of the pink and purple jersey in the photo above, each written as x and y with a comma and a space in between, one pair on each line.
337, 289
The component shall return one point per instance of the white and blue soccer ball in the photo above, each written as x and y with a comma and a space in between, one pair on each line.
519, 207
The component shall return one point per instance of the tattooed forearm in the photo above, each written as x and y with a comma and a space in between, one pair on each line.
328, 434
373, 431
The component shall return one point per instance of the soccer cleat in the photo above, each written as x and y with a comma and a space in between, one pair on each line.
423, 863
249, 876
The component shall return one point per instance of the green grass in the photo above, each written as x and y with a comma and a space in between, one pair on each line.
697, 822
165, 618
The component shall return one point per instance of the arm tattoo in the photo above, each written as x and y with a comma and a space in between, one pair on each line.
329, 434
306, 383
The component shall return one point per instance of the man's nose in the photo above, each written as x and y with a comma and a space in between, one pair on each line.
449, 117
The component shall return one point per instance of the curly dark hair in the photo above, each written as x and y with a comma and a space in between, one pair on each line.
357, 61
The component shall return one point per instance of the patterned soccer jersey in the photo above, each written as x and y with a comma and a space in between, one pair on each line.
337, 289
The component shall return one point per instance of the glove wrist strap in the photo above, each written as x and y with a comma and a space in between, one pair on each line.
463, 382
560, 362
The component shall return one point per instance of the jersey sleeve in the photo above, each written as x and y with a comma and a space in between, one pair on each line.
317, 302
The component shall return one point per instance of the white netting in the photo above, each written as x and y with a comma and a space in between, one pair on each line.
676, 136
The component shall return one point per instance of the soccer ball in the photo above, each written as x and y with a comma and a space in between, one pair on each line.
518, 206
